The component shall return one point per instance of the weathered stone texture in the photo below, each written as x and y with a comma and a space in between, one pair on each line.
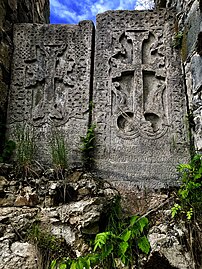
18, 255
190, 24
14, 11
14, 253
67, 209
167, 248
51, 78
139, 98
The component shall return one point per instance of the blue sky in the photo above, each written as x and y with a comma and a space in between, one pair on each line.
73, 11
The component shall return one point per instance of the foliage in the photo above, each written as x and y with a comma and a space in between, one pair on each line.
49, 245
175, 209
190, 192
177, 42
25, 148
88, 145
59, 151
91, 106
120, 243
8, 150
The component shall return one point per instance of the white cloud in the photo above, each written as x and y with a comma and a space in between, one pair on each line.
73, 11
61, 11
126, 4
144, 4
56, 5
101, 6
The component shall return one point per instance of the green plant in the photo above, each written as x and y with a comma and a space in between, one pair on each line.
175, 209
119, 244
49, 246
59, 151
25, 148
8, 150
88, 145
91, 106
190, 192
177, 42
123, 244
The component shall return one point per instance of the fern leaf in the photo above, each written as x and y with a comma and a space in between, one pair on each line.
83, 262
62, 266
126, 235
93, 259
107, 250
101, 239
74, 265
143, 222
133, 220
53, 264
123, 248
182, 167
143, 244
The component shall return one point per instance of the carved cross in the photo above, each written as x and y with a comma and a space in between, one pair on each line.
43, 70
138, 85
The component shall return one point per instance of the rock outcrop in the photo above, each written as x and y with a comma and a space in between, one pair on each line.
69, 209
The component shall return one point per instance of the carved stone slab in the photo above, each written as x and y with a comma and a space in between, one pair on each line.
51, 78
139, 98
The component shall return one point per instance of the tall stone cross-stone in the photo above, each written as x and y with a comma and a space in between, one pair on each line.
139, 99
51, 80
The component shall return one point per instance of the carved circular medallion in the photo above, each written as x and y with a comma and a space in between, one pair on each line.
152, 126
127, 125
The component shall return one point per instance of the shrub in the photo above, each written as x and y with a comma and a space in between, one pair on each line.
190, 192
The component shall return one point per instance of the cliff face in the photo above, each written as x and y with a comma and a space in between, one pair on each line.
189, 23
15, 11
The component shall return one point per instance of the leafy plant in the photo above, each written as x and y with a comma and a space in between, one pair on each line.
175, 210
190, 192
120, 243
124, 244
88, 145
48, 245
59, 151
177, 42
25, 148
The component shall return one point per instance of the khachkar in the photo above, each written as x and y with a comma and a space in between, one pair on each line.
139, 99
51, 78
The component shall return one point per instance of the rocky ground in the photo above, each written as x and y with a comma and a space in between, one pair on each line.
73, 206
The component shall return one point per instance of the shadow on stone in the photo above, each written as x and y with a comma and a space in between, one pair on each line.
158, 262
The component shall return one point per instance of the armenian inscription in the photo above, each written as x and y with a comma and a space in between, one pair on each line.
51, 81
140, 104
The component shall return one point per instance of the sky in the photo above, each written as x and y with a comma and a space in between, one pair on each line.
73, 11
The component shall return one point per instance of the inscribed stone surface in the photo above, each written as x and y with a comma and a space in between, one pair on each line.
51, 84
139, 98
